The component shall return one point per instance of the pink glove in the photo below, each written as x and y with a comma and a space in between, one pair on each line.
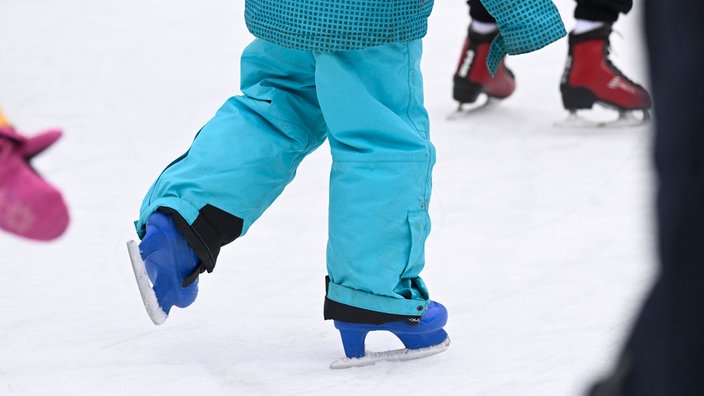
29, 205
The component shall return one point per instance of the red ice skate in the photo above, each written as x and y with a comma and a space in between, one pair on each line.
472, 77
590, 78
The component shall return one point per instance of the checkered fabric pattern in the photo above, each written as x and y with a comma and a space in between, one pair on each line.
337, 25
524, 25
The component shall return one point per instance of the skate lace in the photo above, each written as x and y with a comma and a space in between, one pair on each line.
614, 68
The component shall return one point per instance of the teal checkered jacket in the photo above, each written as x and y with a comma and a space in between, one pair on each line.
337, 25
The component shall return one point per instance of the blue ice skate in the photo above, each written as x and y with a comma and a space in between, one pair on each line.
161, 262
422, 338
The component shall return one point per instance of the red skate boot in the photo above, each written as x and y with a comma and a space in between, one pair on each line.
590, 78
472, 77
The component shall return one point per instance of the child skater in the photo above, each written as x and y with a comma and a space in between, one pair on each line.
343, 70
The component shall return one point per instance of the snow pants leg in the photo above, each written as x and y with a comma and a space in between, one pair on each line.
602, 10
380, 181
242, 159
369, 103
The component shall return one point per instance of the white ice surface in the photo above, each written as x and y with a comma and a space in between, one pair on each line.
541, 245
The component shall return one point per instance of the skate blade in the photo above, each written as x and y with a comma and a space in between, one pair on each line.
626, 119
466, 109
396, 355
151, 304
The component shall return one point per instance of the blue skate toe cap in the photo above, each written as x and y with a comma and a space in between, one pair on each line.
168, 260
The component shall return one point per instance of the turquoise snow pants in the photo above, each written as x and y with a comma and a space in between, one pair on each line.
369, 105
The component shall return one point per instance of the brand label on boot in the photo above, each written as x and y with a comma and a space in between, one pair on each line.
617, 82
466, 63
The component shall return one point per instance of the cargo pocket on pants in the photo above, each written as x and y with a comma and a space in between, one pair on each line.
419, 223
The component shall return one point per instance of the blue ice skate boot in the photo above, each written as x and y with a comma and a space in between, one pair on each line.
168, 260
421, 337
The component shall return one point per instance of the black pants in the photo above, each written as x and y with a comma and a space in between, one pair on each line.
593, 10
664, 354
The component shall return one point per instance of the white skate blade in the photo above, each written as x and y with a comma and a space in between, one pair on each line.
467, 109
156, 314
396, 355
626, 119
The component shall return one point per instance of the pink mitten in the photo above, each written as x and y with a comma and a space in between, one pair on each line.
36, 144
29, 205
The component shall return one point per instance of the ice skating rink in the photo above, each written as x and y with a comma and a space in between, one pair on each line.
541, 245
